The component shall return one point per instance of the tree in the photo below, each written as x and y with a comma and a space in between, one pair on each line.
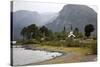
76, 32
88, 29
62, 35
64, 30
32, 31
44, 31
23, 32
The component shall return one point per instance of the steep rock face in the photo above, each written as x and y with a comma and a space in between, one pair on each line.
75, 15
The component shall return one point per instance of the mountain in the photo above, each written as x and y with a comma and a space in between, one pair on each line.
48, 17
23, 18
75, 15
72, 14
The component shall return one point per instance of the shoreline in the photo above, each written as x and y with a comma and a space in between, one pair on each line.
66, 57
76, 60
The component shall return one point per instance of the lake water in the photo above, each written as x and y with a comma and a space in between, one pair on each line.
21, 56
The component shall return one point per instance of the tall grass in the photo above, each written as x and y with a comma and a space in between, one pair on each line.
69, 42
32, 41
92, 45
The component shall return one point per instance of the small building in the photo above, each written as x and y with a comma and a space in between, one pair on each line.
71, 34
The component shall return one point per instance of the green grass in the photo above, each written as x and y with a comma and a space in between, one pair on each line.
32, 41
68, 44
89, 44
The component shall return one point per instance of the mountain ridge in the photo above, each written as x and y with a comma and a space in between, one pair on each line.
75, 15
23, 18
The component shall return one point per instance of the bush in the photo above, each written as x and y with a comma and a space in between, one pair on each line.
51, 43
72, 43
94, 38
64, 43
31, 42
19, 42
93, 48
92, 45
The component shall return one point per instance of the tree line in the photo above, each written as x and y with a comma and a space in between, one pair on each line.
34, 32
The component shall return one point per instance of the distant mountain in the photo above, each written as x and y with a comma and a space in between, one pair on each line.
48, 17
77, 15
24, 18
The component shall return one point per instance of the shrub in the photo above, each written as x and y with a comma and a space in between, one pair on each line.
91, 44
70, 42
31, 42
51, 43
19, 42
93, 48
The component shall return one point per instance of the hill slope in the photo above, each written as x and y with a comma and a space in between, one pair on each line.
77, 15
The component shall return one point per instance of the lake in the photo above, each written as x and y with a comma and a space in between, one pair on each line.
22, 56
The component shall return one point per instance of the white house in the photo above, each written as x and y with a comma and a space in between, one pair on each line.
71, 34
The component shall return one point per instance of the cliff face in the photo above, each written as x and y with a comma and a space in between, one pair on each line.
75, 15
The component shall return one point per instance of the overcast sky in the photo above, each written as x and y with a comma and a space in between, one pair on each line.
41, 7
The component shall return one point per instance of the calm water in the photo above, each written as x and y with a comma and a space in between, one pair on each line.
21, 56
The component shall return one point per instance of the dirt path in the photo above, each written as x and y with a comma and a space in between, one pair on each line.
89, 58
68, 58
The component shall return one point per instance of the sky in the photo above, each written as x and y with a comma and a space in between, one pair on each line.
42, 7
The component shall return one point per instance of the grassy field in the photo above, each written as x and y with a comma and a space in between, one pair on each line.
87, 46
79, 50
